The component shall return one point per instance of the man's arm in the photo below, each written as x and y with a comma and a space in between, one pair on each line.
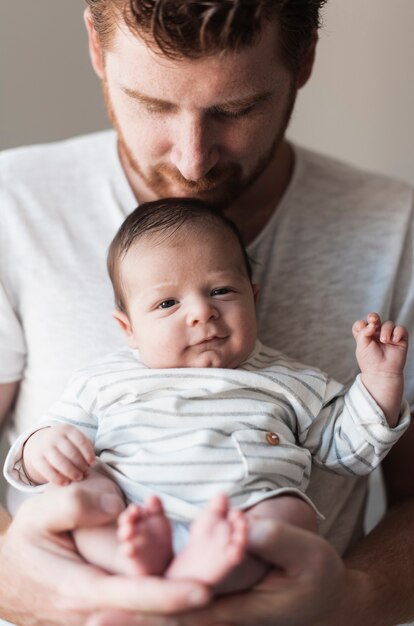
46, 583
8, 392
385, 558
4, 521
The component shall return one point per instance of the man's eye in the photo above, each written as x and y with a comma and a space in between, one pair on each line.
233, 113
221, 291
166, 304
157, 109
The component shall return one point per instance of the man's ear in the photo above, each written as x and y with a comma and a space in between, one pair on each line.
95, 47
308, 61
256, 290
125, 324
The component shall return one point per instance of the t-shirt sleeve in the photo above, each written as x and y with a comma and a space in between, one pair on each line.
12, 341
402, 307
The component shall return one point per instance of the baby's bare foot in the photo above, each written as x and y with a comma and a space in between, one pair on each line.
144, 534
216, 544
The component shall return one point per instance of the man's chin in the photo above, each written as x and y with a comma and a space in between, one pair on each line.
218, 196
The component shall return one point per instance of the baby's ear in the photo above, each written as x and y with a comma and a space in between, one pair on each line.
256, 290
125, 324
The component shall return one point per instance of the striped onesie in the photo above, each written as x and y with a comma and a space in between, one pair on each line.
250, 432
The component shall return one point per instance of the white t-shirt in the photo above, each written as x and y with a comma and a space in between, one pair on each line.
338, 246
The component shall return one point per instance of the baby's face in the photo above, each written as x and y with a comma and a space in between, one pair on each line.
190, 301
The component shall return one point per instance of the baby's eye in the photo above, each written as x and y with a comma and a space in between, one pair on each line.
166, 304
220, 291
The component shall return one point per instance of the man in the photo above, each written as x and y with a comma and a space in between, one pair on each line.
200, 94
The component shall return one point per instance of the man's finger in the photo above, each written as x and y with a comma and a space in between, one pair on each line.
63, 509
148, 594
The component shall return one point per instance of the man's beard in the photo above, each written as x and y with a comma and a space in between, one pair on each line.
221, 186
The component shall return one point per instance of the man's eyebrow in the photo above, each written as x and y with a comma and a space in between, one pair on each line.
240, 103
244, 103
137, 95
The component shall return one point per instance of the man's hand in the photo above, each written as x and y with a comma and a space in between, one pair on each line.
58, 454
46, 583
304, 590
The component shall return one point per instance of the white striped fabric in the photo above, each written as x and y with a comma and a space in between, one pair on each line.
188, 433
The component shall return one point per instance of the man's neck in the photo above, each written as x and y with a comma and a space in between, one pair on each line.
253, 209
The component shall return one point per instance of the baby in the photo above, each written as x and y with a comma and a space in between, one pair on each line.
202, 427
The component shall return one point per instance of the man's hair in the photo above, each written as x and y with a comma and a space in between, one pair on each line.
196, 28
165, 218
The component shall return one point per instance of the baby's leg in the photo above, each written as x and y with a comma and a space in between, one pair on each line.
216, 544
289, 509
115, 546
144, 533
216, 551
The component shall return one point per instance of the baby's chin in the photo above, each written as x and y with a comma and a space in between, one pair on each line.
210, 358
204, 360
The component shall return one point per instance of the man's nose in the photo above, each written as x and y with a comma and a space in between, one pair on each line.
201, 311
194, 151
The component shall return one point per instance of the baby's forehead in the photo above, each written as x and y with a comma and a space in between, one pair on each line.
203, 232
213, 243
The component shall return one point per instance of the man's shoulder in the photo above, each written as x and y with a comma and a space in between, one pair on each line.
324, 174
46, 159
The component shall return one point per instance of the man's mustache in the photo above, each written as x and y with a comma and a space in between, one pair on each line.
215, 177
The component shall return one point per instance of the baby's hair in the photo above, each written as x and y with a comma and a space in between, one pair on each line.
164, 217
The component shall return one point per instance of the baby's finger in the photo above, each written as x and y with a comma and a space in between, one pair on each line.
400, 335
387, 330
50, 474
83, 444
358, 326
73, 454
64, 466
374, 318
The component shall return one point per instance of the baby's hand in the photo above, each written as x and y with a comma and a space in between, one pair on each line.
58, 454
381, 347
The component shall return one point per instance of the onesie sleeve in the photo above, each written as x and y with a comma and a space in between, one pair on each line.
76, 407
350, 435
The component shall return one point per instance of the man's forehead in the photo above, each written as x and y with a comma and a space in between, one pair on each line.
144, 73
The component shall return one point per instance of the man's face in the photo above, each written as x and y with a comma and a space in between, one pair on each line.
189, 299
205, 128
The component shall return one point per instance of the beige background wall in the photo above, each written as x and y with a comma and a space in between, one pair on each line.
358, 106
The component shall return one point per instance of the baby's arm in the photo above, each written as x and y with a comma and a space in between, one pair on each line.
381, 351
58, 454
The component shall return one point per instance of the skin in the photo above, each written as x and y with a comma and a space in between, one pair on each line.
188, 310
211, 127
35, 554
368, 589
375, 586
